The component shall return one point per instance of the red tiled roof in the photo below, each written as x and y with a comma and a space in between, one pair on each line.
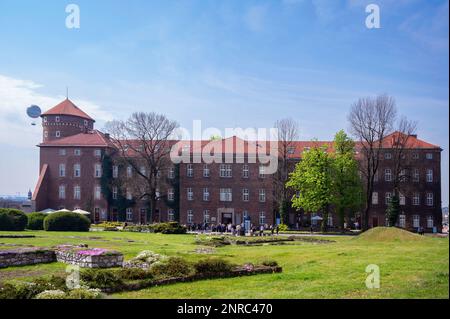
411, 142
91, 138
67, 107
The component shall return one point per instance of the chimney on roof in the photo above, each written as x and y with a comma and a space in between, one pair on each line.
413, 135
107, 136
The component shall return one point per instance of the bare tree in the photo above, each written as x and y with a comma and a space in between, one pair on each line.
371, 119
143, 142
401, 167
288, 132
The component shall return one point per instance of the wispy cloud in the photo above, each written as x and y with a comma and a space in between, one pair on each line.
255, 17
15, 96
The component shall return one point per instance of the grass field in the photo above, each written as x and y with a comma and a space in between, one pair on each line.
411, 266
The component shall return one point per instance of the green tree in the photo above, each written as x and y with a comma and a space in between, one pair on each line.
313, 181
347, 184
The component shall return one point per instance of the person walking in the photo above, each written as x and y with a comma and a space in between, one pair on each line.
278, 229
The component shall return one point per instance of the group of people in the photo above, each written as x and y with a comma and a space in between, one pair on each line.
235, 230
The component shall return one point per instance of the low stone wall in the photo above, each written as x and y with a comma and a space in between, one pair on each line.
84, 259
26, 256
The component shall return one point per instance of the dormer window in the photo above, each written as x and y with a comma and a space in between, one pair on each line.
290, 150
57, 119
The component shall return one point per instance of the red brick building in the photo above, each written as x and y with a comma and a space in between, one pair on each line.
72, 175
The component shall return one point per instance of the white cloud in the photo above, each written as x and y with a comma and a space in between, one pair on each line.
15, 96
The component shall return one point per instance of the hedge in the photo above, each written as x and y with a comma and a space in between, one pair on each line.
36, 221
12, 219
66, 221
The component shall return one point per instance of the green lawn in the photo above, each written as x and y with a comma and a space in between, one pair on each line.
410, 267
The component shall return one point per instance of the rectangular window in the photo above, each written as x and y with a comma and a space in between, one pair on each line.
375, 177
429, 175
170, 194
171, 173
77, 152
402, 199
415, 156
403, 175
429, 156
261, 171
114, 192
76, 170
129, 214
245, 171
429, 200
190, 194
330, 221
143, 171
76, 192
416, 221
245, 195
115, 171
388, 175
225, 170
62, 191
226, 195
402, 221
98, 170
98, 192
262, 218
190, 216
170, 215
416, 175
430, 221
205, 194
262, 195
206, 170
189, 170
57, 119
97, 152
375, 198
290, 150
387, 198
206, 216
129, 195
416, 199
387, 155
58, 134
62, 170
129, 171
62, 151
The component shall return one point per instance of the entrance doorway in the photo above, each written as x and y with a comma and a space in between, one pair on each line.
227, 218
375, 221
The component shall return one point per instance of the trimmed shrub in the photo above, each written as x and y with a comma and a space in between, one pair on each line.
212, 266
171, 267
12, 219
134, 274
66, 221
36, 221
283, 227
169, 228
82, 293
101, 278
51, 294
28, 290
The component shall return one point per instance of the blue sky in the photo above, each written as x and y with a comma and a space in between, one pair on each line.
227, 63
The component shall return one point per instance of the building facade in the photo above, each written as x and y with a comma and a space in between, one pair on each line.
75, 173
